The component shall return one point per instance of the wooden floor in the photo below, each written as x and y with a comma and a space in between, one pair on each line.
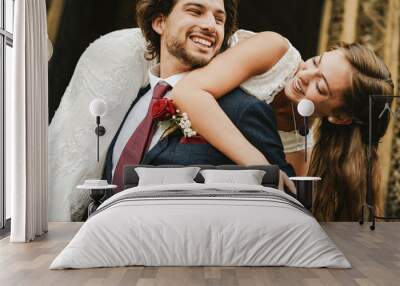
374, 255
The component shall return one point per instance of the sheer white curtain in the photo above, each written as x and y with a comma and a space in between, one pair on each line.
26, 123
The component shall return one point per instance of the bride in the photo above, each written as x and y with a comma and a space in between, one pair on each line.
116, 77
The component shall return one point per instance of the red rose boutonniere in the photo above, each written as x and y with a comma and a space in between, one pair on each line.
172, 119
163, 109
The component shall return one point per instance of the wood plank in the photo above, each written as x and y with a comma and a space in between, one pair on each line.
375, 257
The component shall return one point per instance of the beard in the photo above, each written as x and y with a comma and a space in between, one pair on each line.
177, 49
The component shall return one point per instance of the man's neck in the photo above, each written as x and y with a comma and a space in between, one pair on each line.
170, 66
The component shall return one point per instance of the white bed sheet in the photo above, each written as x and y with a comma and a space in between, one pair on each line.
205, 231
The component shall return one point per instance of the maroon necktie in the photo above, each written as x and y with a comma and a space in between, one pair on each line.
140, 139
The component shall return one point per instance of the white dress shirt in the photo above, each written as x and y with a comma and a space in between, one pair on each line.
139, 111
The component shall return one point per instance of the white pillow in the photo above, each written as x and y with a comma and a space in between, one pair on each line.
248, 177
163, 176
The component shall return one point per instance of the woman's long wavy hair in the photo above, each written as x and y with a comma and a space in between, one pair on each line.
339, 155
148, 10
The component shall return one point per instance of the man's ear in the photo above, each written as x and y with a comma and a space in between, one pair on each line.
158, 24
340, 120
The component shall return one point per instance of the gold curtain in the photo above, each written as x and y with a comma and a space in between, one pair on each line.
54, 13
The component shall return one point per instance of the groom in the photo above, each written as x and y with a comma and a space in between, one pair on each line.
184, 35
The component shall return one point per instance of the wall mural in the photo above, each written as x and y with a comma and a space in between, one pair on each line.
80, 32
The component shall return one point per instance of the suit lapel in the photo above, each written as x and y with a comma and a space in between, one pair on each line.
155, 151
107, 174
140, 94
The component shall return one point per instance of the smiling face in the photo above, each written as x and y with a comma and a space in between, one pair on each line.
323, 80
193, 32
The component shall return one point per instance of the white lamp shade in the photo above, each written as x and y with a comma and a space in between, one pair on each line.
98, 107
306, 107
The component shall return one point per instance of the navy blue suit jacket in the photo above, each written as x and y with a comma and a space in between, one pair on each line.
254, 118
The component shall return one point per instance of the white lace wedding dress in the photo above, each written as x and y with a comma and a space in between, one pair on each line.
113, 68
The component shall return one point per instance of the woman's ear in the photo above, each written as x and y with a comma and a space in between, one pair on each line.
340, 120
158, 24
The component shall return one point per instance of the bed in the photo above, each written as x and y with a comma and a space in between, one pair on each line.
201, 224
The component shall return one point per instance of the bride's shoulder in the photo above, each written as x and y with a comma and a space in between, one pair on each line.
261, 44
286, 60
268, 37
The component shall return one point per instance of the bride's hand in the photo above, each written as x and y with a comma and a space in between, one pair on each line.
284, 181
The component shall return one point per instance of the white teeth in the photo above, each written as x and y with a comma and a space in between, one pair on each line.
202, 41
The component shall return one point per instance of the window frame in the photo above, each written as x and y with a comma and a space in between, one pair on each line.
6, 39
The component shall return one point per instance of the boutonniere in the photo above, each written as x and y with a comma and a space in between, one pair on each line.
171, 119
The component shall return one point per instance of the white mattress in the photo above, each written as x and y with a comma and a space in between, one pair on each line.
184, 230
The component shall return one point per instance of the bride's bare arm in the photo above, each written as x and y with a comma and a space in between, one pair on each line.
196, 94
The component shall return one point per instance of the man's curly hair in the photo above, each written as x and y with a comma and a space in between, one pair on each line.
148, 10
